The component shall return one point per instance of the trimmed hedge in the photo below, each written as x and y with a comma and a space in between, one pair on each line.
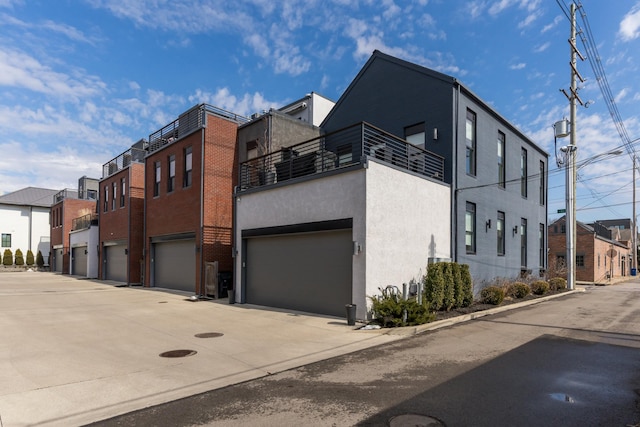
447, 285
7, 257
30, 260
19, 257
557, 283
518, 290
540, 287
492, 295
389, 310
39, 259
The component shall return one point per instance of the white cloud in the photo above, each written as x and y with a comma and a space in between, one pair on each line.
542, 47
475, 9
518, 66
552, 25
530, 19
630, 24
621, 95
245, 104
499, 6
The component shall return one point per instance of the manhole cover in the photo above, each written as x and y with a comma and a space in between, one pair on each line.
178, 353
415, 420
209, 335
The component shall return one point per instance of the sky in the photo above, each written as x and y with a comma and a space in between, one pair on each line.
82, 80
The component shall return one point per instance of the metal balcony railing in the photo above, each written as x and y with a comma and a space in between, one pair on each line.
84, 221
188, 122
132, 155
346, 147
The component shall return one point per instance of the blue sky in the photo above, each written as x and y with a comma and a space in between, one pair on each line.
81, 80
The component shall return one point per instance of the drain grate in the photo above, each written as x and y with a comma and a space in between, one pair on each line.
209, 335
178, 353
415, 420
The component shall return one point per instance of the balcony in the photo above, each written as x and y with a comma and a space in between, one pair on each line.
189, 122
84, 222
340, 149
132, 155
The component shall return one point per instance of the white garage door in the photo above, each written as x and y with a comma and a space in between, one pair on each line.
116, 268
175, 265
79, 261
307, 272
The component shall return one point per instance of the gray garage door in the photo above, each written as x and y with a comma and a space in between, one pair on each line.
175, 265
79, 261
307, 272
57, 254
116, 268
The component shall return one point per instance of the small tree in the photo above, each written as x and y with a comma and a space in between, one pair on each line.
30, 260
434, 286
7, 257
467, 281
449, 300
39, 260
19, 257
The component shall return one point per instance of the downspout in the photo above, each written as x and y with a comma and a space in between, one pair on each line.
202, 161
454, 177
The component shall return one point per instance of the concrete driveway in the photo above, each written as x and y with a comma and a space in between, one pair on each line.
76, 351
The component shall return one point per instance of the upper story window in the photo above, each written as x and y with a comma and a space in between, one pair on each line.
157, 176
6, 240
500, 233
542, 246
123, 191
470, 228
470, 136
501, 164
188, 167
542, 183
115, 191
415, 135
523, 242
106, 198
523, 173
171, 182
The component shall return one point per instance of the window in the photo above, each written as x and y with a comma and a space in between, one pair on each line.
252, 149
123, 191
471, 143
470, 228
543, 248
598, 260
500, 233
563, 228
171, 182
523, 173
542, 183
6, 240
92, 194
156, 185
523, 242
106, 197
579, 260
501, 168
188, 167
415, 135
113, 200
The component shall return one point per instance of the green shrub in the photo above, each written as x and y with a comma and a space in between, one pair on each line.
19, 257
458, 285
389, 310
39, 260
492, 295
7, 257
539, 287
434, 287
467, 285
557, 283
30, 260
518, 290
449, 299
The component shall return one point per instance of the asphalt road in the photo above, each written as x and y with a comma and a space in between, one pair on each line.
571, 361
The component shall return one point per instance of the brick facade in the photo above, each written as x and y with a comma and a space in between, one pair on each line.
62, 215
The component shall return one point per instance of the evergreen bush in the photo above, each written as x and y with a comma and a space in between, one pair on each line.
557, 283
540, 287
458, 285
518, 290
449, 299
19, 257
467, 285
389, 310
30, 260
7, 257
434, 287
39, 260
492, 295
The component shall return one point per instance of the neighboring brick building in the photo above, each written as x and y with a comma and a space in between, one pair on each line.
68, 205
598, 255
121, 211
190, 172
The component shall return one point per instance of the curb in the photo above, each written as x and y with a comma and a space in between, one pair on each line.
414, 330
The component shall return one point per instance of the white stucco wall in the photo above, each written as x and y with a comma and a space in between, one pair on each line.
17, 220
88, 237
408, 221
334, 197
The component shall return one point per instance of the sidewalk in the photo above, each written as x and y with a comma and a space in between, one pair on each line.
75, 351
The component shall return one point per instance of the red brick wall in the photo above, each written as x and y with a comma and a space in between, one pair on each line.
69, 209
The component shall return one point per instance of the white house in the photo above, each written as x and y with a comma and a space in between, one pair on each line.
24, 220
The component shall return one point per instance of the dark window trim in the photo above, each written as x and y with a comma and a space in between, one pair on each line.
307, 227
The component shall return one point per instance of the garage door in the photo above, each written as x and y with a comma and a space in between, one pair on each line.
79, 261
175, 265
307, 272
57, 254
116, 268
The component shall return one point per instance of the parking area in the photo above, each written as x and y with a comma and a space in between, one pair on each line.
75, 351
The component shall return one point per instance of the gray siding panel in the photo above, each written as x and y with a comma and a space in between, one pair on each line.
309, 272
